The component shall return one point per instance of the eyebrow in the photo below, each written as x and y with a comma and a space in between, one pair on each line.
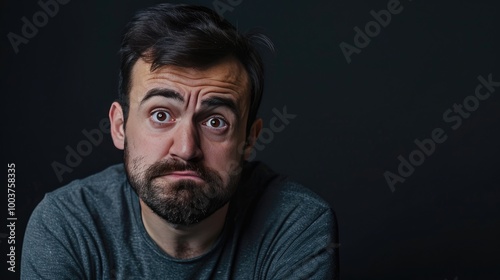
167, 93
221, 102
211, 102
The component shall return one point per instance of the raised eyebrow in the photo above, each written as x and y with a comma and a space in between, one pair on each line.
164, 92
221, 102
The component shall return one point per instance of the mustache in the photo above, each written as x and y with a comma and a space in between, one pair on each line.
163, 167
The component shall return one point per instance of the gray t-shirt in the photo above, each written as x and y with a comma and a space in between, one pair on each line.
92, 229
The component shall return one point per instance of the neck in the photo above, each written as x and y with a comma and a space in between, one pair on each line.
184, 242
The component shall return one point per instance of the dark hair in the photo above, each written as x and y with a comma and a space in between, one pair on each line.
188, 36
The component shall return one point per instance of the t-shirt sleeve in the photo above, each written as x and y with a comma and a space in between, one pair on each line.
48, 252
307, 251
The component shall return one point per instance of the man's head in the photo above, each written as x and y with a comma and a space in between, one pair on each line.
190, 88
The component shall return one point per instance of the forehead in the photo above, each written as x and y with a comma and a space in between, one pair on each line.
226, 76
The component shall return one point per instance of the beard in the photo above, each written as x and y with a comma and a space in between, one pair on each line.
184, 201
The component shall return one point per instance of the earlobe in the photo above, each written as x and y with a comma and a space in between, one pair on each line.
117, 122
252, 137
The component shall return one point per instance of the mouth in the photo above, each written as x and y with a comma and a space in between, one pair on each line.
183, 175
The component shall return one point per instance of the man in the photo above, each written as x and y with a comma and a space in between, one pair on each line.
185, 204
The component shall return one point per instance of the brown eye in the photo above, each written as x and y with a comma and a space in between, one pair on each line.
216, 123
161, 117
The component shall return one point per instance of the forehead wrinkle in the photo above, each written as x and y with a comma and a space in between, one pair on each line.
222, 86
231, 78
231, 81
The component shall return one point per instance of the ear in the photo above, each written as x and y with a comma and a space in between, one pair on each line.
252, 137
117, 122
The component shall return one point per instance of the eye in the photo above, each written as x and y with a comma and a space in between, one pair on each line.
161, 117
216, 122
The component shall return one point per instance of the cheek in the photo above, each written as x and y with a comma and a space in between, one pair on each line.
146, 147
223, 157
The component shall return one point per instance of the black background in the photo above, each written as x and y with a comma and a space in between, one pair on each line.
353, 120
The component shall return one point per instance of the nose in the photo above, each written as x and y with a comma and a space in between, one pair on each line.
186, 142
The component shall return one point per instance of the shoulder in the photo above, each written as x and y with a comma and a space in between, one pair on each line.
80, 210
97, 191
105, 181
279, 197
297, 194
281, 187
286, 200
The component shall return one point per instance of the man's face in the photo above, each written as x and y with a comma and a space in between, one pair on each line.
183, 137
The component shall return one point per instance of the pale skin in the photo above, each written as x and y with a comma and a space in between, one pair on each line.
193, 124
